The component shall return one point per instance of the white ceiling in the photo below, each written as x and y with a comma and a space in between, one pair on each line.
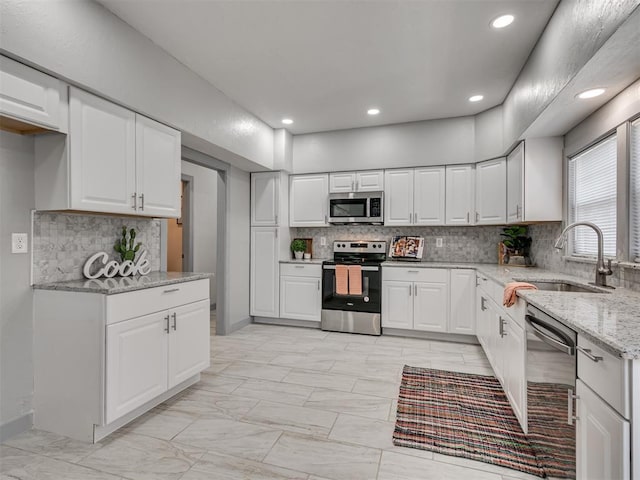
324, 63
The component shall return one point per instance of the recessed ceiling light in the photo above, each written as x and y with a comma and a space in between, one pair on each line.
594, 92
287, 121
373, 111
476, 98
502, 21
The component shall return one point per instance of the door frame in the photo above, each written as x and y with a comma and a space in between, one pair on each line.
187, 224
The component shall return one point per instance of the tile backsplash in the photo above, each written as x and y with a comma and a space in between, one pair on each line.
460, 244
62, 242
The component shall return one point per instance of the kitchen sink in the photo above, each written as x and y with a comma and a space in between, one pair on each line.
552, 286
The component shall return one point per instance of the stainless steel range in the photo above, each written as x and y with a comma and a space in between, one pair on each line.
352, 287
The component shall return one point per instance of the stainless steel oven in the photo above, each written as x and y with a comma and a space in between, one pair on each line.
360, 207
551, 380
348, 311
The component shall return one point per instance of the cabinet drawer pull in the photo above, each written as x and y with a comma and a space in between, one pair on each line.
299, 266
171, 290
588, 354
413, 271
175, 320
166, 329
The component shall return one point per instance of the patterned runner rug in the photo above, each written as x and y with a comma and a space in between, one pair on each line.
469, 416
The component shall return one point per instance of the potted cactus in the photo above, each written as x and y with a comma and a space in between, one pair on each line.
126, 247
298, 247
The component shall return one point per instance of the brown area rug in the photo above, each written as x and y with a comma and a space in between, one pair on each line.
469, 416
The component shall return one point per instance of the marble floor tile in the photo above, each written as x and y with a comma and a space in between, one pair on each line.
52, 445
253, 370
288, 393
321, 380
202, 402
139, 457
221, 435
217, 365
246, 356
333, 460
307, 362
225, 467
14, 458
395, 466
347, 402
292, 418
219, 383
46, 468
368, 370
288, 347
377, 388
160, 423
374, 348
487, 467
339, 337
363, 431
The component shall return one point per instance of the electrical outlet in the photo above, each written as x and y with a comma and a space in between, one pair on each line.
323, 241
19, 243
438, 242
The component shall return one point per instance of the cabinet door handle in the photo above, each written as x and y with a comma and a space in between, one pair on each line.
357, 185
588, 354
517, 211
501, 326
570, 398
276, 219
326, 219
477, 217
410, 290
468, 217
166, 329
135, 201
415, 290
482, 306
353, 185
175, 321
142, 201
318, 285
415, 217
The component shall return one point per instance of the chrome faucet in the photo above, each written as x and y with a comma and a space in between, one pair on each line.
602, 271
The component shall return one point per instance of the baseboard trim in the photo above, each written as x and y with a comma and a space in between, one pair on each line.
444, 337
16, 426
287, 322
238, 325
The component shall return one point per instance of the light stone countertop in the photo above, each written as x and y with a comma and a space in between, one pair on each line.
611, 320
311, 261
111, 286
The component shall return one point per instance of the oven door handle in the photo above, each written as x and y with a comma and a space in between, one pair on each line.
364, 269
538, 327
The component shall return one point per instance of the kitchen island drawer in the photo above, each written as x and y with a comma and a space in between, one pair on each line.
606, 374
297, 270
123, 306
417, 274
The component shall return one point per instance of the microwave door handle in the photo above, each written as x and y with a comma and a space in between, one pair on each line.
535, 324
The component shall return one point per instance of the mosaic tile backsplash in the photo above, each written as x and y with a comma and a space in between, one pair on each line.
62, 242
545, 256
460, 244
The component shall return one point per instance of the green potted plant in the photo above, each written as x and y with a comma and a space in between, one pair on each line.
298, 247
517, 244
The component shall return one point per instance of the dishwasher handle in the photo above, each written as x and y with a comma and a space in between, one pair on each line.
565, 344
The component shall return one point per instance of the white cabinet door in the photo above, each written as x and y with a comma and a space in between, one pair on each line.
300, 298
515, 380
430, 306
515, 183
372, 181
29, 95
343, 182
136, 365
102, 155
491, 192
602, 439
158, 151
264, 298
460, 181
265, 199
398, 193
397, 304
482, 321
188, 341
462, 303
308, 200
429, 196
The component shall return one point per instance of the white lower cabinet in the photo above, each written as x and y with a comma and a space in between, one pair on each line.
263, 284
102, 360
300, 292
602, 439
462, 309
397, 304
430, 306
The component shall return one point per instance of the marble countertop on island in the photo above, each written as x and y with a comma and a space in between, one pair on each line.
310, 261
111, 286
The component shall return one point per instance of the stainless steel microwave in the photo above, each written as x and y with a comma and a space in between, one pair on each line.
356, 207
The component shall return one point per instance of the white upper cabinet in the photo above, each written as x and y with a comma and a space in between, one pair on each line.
113, 161
30, 97
491, 192
460, 188
398, 193
308, 200
534, 181
265, 199
429, 196
158, 151
367, 181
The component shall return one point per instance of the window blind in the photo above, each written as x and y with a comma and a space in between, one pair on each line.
634, 192
592, 197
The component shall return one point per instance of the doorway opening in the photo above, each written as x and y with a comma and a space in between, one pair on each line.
179, 232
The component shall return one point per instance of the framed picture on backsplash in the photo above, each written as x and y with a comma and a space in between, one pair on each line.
407, 248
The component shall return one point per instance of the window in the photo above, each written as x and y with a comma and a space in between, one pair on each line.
634, 191
592, 197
